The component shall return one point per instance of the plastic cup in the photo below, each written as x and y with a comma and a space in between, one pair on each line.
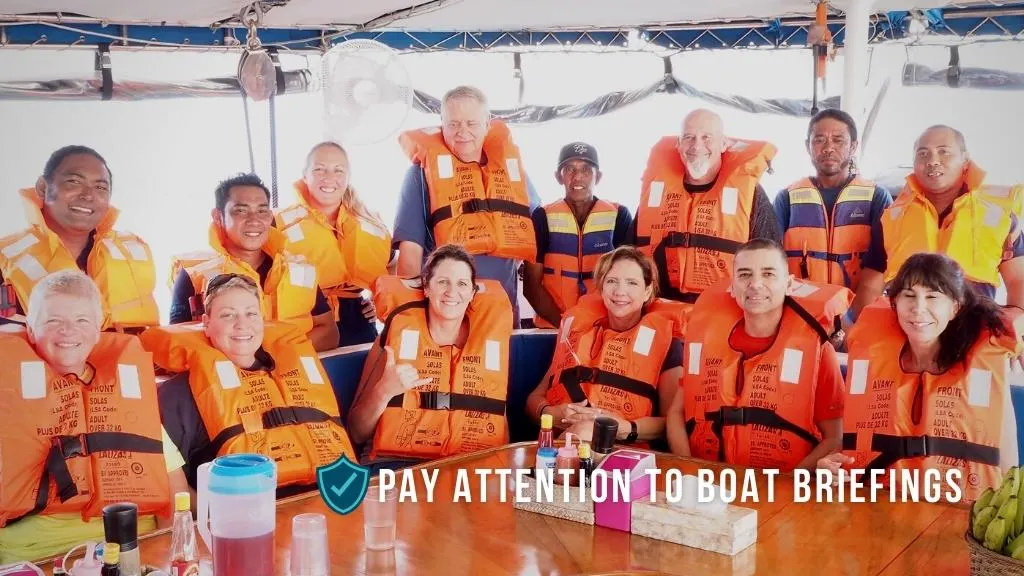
379, 519
381, 562
309, 546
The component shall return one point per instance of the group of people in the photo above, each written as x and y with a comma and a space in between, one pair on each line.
711, 321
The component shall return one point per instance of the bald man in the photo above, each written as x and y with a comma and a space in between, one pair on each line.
700, 202
946, 207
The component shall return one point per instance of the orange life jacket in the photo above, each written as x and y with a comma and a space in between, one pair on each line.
463, 408
828, 248
757, 411
572, 254
616, 371
960, 412
68, 447
693, 237
289, 413
120, 264
483, 207
973, 234
349, 253
288, 294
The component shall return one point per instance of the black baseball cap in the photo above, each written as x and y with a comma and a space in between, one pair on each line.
578, 151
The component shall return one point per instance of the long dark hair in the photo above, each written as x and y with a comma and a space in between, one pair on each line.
976, 312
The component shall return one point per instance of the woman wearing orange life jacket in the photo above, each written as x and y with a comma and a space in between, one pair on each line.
436, 381
351, 246
928, 379
247, 386
615, 356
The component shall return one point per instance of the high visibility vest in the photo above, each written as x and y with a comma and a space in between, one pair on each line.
288, 412
828, 248
973, 234
694, 237
349, 253
484, 208
757, 411
572, 254
71, 447
120, 264
289, 292
462, 409
901, 420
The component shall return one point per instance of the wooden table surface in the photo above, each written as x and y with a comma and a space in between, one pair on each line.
493, 538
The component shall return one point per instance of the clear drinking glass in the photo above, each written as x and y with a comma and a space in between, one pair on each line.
379, 519
309, 546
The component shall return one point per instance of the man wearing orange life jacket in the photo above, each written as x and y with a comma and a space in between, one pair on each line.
947, 207
699, 203
572, 233
244, 385
244, 242
762, 385
71, 226
827, 220
467, 186
81, 427
436, 381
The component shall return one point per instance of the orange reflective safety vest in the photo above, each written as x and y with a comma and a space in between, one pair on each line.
69, 447
828, 248
922, 420
120, 264
616, 371
482, 207
349, 253
572, 253
973, 234
289, 291
462, 409
757, 411
288, 413
693, 237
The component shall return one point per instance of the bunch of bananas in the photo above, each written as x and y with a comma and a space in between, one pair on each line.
997, 517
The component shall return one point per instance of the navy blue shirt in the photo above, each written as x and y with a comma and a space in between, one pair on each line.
623, 221
411, 226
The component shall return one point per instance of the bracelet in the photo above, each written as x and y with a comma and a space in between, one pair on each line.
540, 411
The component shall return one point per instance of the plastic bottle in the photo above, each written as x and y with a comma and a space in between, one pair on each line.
568, 458
183, 539
605, 431
58, 567
586, 463
88, 566
547, 437
545, 462
111, 560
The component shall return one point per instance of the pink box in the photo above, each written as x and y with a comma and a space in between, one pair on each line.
616, 512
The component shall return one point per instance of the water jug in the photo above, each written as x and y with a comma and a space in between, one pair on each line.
236, 513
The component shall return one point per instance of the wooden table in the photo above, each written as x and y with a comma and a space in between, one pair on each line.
494, 538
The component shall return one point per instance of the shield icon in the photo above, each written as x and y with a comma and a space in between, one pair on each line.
343, 484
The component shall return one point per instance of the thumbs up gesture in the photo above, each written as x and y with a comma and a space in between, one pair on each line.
399, 378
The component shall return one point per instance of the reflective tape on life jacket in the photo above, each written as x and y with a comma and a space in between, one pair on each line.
693, 237
757, 411
288, 413
483, 207
824, 247
973, 234
350, 253
615, 371
120, 264
924, 421
572, 254
72, 447
289, 292
462, 409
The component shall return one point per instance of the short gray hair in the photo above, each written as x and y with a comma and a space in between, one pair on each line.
224, 282
465, 91
64, 283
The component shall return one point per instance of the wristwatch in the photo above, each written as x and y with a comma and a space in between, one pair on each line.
632, 434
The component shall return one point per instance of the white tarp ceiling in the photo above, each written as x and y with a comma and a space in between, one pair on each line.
462, 15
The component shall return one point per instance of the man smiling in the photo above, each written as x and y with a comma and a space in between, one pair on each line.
71, 225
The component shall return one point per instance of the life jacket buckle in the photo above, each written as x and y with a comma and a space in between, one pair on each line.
435, 400
70, 446
677, 240
278, 417
474, 205
733, 416
915, 446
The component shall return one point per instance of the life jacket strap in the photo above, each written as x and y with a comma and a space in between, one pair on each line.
894, 448
435, 400
476, 205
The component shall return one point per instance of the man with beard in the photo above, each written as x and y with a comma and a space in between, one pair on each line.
699, 203
828, 220
947, 207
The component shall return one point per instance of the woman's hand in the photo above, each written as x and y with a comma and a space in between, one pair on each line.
558, 413
578, 415
398, 378
834, 463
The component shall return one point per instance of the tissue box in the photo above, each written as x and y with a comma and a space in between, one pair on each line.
615, 512
582, 512
728, 532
